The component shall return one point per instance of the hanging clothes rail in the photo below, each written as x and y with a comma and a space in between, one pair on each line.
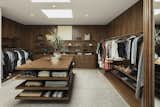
124, 36
122, 56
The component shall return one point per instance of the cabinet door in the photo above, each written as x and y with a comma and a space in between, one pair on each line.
85, 61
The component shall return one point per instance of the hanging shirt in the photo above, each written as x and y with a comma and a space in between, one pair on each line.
140, 77
11, 59
129, 46
19, 62
135, 50
114, 50
122, 49
26, 55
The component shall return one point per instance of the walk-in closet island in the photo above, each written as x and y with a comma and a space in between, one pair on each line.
46, 79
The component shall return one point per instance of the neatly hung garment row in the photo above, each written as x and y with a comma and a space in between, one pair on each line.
11, 58
119, 49
130, 49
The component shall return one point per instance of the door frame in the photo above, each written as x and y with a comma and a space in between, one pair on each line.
148, 100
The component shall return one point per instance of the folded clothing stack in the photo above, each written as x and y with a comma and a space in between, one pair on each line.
44, 74
28, 74
33, 83
56, 83
59, 74
31, 94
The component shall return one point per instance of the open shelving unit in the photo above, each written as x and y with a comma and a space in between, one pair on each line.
79, 49
128, 75
65, 64
120, 74
125, 82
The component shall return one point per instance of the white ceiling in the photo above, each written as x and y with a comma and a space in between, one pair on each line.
100, 12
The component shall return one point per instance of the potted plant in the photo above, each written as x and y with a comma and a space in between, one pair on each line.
57, 43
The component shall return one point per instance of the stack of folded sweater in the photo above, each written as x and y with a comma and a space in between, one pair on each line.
33, 83
31, 94
59, 74
56, 83
44, 74
28, 74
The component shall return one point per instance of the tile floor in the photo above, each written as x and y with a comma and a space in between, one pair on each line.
91, 89
157, 102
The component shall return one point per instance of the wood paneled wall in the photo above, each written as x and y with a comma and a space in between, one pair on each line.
30, 32
129, 22
11, 33
97, 32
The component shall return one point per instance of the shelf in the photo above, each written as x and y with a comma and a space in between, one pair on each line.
22, 86
43, 98
42, 78
128, 75
66, 98
78, 52
128, 84
73, 46
79, 41
44, 64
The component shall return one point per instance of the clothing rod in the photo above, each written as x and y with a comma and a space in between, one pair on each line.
124, 36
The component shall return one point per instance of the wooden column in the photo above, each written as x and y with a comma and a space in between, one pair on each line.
148, 53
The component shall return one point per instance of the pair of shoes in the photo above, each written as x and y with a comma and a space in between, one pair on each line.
128, 70
57, 94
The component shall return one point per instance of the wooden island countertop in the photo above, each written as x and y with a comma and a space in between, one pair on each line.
46, 64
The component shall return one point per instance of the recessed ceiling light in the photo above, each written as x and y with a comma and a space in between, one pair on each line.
58, 13
156, 11
54, 6
86, 15
32, 14
45, 1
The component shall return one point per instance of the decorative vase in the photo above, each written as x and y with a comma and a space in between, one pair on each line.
56, 57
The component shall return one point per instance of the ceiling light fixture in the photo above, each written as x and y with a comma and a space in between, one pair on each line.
49, 1
86, 15
156, 11
32, 15
54, 6
58, 13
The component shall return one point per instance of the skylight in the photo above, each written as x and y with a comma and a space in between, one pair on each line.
58, 13
156, 11
48, 1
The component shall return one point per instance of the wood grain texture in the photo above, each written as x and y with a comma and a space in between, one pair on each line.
148, 54
97, 32
127, 93
45, 64
11, 32
30, 35
129, 22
